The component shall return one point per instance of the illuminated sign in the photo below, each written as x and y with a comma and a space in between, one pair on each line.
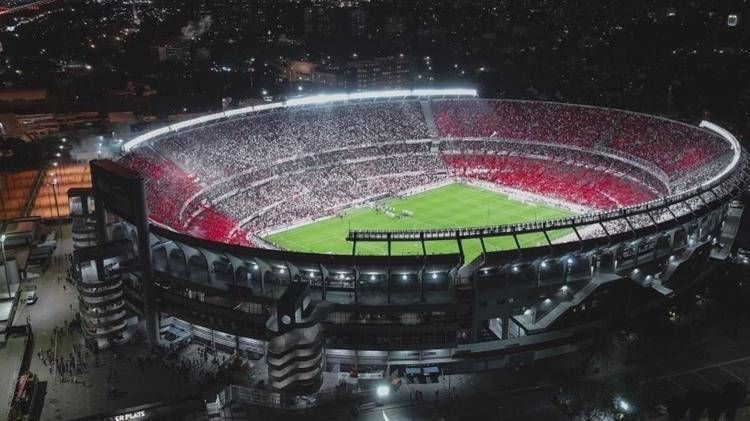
130, 416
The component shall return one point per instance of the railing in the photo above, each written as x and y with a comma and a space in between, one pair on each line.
260, 397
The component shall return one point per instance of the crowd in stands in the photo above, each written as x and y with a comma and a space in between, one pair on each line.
168, 188
244, 180
674, 147
317, 192
571, 183
640, 221
701, 174
229, 181
579, 157
260, 141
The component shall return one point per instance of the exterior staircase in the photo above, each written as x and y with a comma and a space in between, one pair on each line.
29, 205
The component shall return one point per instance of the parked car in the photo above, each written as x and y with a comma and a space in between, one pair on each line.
31, 297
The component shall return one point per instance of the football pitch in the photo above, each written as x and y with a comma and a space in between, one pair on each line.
451, 206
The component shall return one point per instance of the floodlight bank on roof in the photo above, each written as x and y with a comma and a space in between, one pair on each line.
294, 102
736, 148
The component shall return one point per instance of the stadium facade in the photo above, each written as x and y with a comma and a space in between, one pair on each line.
667, 223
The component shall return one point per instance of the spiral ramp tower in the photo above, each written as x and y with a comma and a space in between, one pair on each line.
98, 277
81, 204
295, 352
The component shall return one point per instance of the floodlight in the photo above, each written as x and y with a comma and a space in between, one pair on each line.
382, 391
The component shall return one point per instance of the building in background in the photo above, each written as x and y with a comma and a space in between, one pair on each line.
39, 125
379, 73
173, 49
307, 72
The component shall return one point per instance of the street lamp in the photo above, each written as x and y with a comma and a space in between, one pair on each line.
61, 164
622, 405
5, 264
57, 207
50, 198
382, 391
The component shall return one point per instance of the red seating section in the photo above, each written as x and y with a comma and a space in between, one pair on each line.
167, 188
570, 183
672, 146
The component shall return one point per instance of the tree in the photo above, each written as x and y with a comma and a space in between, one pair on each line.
677, 409
733, 395
696, 404
714, 405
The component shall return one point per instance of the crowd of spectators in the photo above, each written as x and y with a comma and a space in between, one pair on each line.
260, 141
550, 122
701, 174
168, 188
650, 220
189, 362
229, 181
591, 160
321, 191
244, 180
563, 181
674, 147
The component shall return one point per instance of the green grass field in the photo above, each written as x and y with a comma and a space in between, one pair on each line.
451, 206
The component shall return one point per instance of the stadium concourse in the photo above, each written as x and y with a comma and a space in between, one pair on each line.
238, 179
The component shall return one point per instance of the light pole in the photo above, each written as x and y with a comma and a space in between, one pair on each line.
57, 208
50, 199
62, 163
5, 264
2, 201
54, 192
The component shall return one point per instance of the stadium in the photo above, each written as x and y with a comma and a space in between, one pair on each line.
411, 232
